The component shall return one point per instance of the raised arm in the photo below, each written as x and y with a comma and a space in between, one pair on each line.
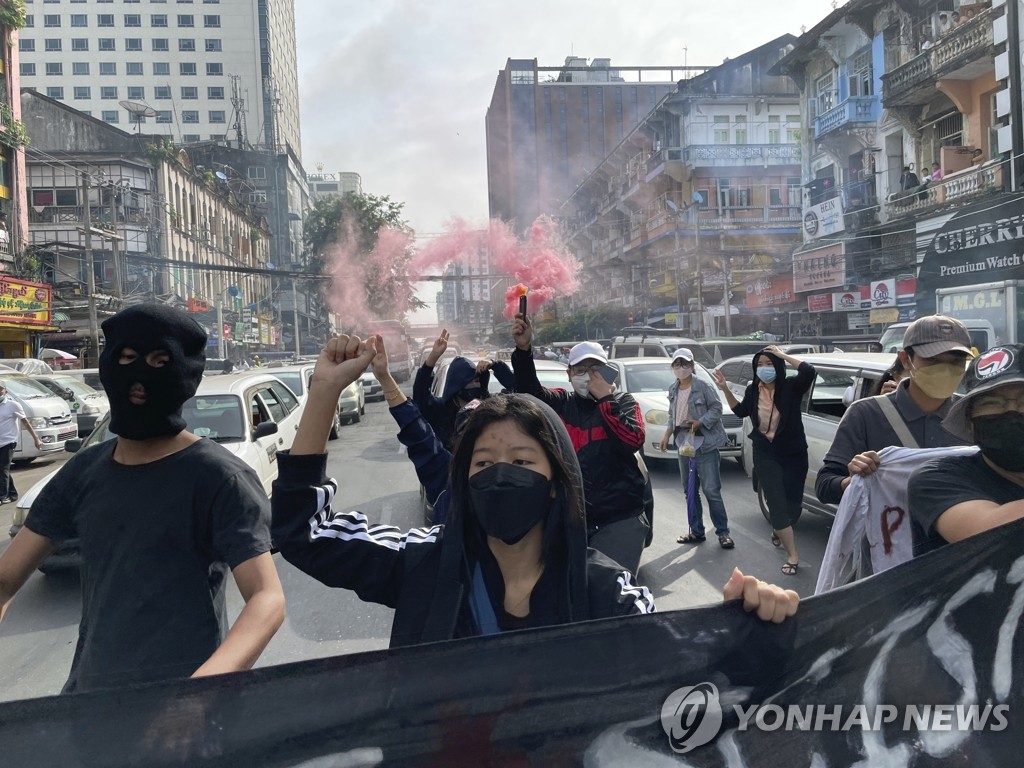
425, 401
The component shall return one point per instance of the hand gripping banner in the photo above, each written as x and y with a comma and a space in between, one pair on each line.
919, 666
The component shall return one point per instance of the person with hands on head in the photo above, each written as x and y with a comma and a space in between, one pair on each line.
607, 430
772, 401
12, 420
161, 516
694, 407
465, 381
513, 554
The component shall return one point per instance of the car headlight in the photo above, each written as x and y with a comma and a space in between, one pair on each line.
38, 422
656, 417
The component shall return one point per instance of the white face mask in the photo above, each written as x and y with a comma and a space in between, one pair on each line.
579, 385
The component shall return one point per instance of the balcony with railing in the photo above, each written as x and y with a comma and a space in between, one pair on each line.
968, 46
854, 111
958, 187
741, 155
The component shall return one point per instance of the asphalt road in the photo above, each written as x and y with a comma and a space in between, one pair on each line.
38, 636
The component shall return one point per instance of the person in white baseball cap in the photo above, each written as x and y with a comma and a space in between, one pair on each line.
606, 430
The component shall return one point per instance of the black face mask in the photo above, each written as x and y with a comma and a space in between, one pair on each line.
147, 328
1001, 439
509, 500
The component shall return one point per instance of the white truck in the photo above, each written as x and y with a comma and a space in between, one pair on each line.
989, 310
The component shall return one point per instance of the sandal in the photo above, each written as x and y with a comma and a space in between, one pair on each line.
776, 541
789, 568
691, 538
726, 542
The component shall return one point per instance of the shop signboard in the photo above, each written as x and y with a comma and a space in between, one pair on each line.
821, 302
770, 291
823, 219
25, 303
882, 293
819, 268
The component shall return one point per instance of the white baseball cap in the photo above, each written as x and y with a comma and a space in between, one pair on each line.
585, 350
683, 354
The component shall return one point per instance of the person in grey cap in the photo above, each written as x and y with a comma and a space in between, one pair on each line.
935, 352
606, 430
956, 497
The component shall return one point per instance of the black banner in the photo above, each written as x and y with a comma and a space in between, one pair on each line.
918, 666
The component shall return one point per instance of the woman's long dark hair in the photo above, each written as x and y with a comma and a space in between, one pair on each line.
528, 415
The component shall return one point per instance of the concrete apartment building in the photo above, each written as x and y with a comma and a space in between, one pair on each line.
209, 69
548, 127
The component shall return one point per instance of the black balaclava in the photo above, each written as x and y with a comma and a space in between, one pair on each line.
147, 328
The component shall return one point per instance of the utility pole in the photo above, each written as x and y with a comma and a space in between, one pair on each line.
295, 318
701, 330
221, 350
727, 284
94, 331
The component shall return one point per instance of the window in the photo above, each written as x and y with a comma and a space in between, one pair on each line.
211, 22
26, 70
136, 92
861, 79
30, 21
162, 92
186, 44
79, 20
83, 92
214, 70
161, 68
158, 20
80, 68
55, 92
164, 116
721, 135
258, 198
720, 132
160, 44
189, 138
109, 115
52, 45
190, 116
133, 68
774, 131
257, 172
27, 46
277, 409
108, 68
826, 398
825, 93
79, 44
132, 20
108, 92
133, 44
51, 20
215, 93
217, 116
741, 129
187, 68
107, 44
55, 69
189, 92
105, 20
213, 45
186, 20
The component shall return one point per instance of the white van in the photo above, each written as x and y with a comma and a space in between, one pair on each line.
49, 415
983, 335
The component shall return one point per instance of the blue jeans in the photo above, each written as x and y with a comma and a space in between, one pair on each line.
709, 480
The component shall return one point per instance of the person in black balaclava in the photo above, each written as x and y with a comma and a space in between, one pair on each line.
160, 516
955, 497
513, 554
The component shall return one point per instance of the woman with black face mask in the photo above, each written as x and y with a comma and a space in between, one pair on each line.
513, 554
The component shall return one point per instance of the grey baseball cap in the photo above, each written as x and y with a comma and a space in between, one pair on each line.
932, 335
989, 370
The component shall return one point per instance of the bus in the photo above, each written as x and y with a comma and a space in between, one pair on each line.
396, 340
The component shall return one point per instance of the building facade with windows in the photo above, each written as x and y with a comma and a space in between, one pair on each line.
698, 203
209, 69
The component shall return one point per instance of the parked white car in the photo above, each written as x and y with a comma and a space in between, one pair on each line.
648, 379
87, 405
49, 415
351, 404
253, 415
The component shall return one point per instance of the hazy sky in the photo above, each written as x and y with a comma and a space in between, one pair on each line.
397, 90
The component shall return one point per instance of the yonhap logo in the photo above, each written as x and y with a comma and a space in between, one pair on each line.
691, 716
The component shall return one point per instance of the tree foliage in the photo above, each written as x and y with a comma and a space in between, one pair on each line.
598, 323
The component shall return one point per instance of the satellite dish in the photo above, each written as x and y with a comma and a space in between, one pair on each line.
270, 265
672, 206
233, 291
221, 175
137, 110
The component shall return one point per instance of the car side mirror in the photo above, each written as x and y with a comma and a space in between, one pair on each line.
69, 395
74, 445
264, 429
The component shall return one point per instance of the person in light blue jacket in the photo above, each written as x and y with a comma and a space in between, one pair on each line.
694, 406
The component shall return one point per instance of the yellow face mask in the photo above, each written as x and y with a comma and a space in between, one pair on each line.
938, 381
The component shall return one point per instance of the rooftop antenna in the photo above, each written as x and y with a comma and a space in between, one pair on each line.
238, 105
137, 111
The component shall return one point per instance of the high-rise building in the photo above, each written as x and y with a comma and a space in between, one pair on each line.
220, 69
549, 127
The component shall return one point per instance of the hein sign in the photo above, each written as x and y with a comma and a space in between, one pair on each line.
823, 219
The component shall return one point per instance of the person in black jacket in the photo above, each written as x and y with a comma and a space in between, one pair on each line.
780, 449
607, 431
513, 554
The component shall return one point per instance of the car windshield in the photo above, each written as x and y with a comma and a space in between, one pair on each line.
79, 387
658, 378
293, 379
700, 354
218, 417
26, 389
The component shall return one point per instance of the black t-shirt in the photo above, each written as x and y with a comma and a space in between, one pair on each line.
544, 608
941, 484
157, 541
